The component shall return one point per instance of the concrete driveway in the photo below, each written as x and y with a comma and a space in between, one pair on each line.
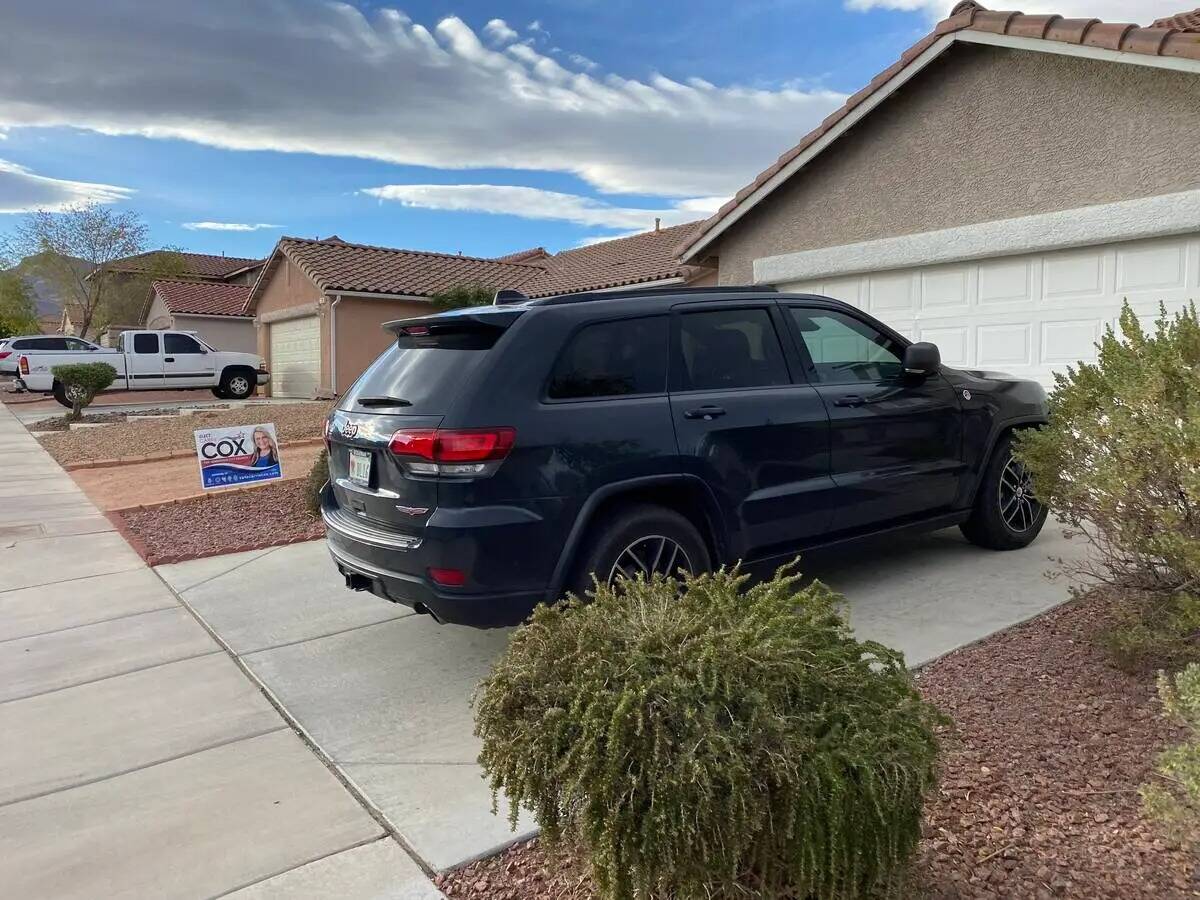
384, 694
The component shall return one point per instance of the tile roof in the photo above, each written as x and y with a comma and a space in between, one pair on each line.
649, 256
335, 265
201, 298
1175, 36
199, 265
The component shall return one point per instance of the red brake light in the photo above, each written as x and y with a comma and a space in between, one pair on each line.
5, 354
448, 577
466, 445
417, 330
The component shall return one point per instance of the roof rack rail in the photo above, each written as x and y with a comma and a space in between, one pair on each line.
508, 295
635, 291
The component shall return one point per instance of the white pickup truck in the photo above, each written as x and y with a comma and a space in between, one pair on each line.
153, 361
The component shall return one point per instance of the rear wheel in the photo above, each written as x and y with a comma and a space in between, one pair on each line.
1007, 514
642, 539
237, 384
219, 394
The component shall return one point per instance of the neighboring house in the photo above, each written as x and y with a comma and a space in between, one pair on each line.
319, 305
50, 324
998, 191
214, 310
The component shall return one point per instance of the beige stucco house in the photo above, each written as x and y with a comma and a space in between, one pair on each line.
214, 310
319, 305
999, 190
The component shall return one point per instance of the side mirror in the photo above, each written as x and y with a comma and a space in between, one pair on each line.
922, 359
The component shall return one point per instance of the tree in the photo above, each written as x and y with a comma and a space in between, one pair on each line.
18, 313
91, 233
464, 295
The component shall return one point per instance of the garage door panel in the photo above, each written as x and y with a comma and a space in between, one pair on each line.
1031, 314
295, 357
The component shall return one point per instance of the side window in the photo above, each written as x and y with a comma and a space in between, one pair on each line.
613, 359
843, 349
22, 345
76, 344
729, 349
145, 343
177, 344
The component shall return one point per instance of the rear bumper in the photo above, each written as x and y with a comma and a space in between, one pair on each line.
392, 565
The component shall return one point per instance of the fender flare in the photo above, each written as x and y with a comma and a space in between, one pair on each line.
587, 515
999, 429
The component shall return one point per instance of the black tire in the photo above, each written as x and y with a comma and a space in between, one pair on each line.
60, 394
998, 521
219, 394
621, 529
237, 384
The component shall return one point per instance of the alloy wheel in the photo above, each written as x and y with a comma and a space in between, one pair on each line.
650, 555
239, 385
1019, 507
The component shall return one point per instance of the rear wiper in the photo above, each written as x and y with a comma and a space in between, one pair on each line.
383, 401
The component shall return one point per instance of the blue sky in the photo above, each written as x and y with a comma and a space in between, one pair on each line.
474, 127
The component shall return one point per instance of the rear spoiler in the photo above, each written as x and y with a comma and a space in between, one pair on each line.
483, 318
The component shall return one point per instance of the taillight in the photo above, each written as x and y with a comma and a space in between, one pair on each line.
23, 365
5, 354
452, 451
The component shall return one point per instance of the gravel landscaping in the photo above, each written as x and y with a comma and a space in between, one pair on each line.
293, 422
246, 519
62, 423
1038, 797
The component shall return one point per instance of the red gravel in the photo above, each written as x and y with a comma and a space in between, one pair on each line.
222, 523
1039, 788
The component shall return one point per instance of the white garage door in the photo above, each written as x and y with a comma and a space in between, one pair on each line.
295, 357
1029, 315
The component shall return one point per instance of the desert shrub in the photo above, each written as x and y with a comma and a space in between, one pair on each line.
1174, 799
704, 741
318, 477
463, 295
1120, 462
82, 382
1152, 630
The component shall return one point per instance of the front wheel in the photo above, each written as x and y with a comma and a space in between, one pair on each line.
66, 395
237, 385
219, 394
1007, 514
642, 539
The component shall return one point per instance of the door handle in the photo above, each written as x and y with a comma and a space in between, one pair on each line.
168, 359
849, 400
704, 412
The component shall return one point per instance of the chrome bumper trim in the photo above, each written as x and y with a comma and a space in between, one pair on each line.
365, 534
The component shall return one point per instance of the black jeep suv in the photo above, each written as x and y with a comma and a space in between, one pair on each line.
496, 457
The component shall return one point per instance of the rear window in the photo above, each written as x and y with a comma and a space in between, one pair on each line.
425, 368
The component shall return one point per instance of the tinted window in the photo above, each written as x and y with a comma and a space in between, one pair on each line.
613, 359
425, 369
179, 344
41, 344
22, 345
728, 349
76, 344
145, 343
844, 349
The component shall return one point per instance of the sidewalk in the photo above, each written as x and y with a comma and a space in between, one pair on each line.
137, 759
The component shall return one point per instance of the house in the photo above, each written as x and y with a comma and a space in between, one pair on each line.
999, 190
214, 310
319, 305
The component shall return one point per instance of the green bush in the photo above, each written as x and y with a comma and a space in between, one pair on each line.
81, 382
1118, 461
318, 477
463, 295
1174, 800
704, 741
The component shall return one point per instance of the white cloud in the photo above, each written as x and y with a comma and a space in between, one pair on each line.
1141, 11
588, 65
535, 203
498, 31
228, 226
326, 78
21, 190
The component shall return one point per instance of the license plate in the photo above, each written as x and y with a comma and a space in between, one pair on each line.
360, 467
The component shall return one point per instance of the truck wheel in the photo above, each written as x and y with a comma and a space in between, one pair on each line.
237, 384
62, 395
641, 538
219, 394
1007, 515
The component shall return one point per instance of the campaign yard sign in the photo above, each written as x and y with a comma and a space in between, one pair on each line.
238, 455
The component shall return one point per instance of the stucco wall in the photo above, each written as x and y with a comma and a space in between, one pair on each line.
982, 134
158, 316
360, 335
288, 288
224, 334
